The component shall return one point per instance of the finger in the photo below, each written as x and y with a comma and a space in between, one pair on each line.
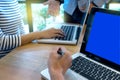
57, 9
50, 12
63, 48
59, 31
66, 52
55, 49
55, 53
61, 34
58, 35
67, 57
53, 9
56, 32
46, 3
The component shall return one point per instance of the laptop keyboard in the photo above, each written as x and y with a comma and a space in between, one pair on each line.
93, 71
69, 33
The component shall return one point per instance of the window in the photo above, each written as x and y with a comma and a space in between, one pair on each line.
35, 15
40, 17
114, 6
24, 17
22, 4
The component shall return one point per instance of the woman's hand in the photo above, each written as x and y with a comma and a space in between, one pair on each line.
51, 33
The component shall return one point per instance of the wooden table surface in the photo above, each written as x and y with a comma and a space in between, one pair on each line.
26, 62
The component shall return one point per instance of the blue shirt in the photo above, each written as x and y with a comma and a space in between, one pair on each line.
70, 5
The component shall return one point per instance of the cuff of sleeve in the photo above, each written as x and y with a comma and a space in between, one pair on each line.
98, 3
61, 1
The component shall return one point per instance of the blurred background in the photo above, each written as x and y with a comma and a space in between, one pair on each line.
35, 15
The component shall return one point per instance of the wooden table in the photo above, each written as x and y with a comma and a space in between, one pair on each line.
26, 62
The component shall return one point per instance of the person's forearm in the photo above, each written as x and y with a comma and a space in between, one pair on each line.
57, 76
99, 3
28, 38
91, 6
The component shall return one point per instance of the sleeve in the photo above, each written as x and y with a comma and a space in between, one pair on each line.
9, 42
61, 1
22, 30
99, 3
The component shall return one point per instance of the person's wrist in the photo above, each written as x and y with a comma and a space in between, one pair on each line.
56, 74
41, 34
38, 35
57, 70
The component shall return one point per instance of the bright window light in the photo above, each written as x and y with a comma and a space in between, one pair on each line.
114, 6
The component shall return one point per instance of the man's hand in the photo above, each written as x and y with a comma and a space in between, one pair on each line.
53, 7
58, 64
91, 6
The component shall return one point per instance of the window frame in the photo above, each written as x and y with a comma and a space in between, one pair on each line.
29, 11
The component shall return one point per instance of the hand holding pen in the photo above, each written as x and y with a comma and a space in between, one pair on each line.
59, 60
60, 52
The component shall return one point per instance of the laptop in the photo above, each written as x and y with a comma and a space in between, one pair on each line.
99, 56
72, 33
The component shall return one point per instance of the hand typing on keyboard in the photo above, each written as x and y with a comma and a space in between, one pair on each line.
52, 33
68, 33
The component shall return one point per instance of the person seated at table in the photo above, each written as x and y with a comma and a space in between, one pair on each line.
57, 64
11, 28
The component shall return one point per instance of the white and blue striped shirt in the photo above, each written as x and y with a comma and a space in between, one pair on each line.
11, 26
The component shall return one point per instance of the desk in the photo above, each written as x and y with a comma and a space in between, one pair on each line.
26, 62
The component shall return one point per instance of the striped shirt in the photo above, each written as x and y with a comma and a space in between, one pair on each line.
11, 26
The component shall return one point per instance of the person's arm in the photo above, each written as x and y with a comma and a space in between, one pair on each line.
91, 6
53, 7
83, 5
58, 64
49, 33
56, 75
8, 42
99, 3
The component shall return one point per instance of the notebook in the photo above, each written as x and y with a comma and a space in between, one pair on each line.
99, 56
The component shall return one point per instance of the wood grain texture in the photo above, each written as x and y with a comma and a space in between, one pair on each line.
26, 62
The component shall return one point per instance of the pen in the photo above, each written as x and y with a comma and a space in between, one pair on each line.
60, 52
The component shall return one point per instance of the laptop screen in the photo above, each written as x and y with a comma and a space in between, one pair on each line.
102, 37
